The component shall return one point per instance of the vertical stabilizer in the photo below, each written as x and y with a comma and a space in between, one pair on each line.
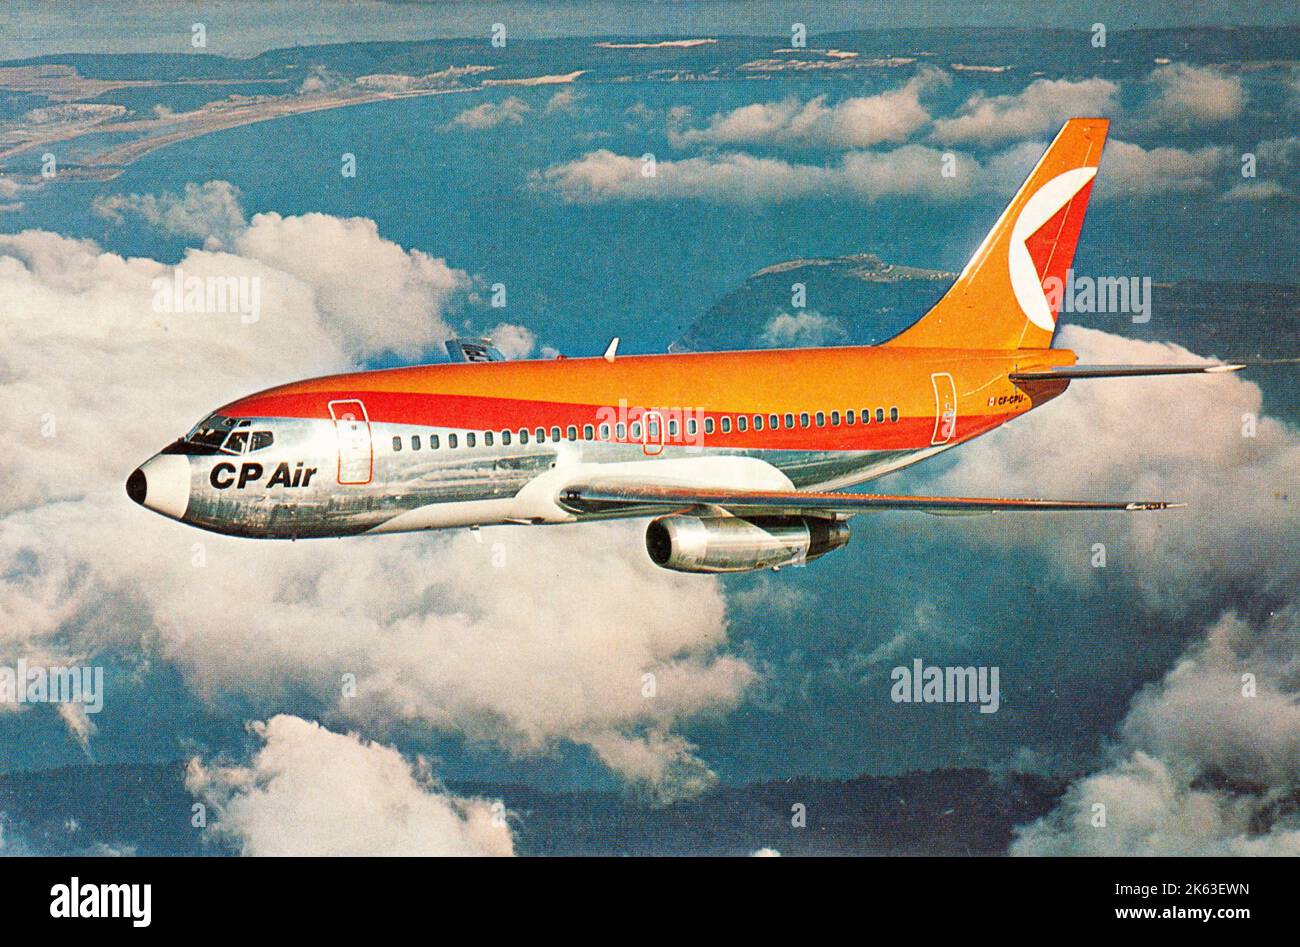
998, 301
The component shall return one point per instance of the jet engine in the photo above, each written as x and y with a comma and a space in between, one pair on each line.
734, 544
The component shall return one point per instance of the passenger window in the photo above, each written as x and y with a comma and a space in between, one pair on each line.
604, 432
620, 431
758, 422
803, 419
866, 415
541, 435
848, 417
708, 425
726, 425
415, 442
433, 442
555, 433
774, 421
505, 438
572, 433
821, 419
636, 431
880, 415
789, 420
261, 439
588, 432
835, 419
487, 438
238, 440
451, 441
672, 427
742, 423
523, 435
893, 414
397, 444
692, 426
471, 439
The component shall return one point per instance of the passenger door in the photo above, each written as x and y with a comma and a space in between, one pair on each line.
356, 451
945, 408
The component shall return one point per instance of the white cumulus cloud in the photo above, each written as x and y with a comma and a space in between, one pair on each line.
858, 122
525, 640
1195, 95
492, 114
309, 791
1040, 109
1128, 169
909, 171
210, 211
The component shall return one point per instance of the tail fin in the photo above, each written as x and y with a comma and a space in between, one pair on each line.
999, 301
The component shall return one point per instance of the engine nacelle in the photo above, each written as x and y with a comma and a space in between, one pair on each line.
733, 544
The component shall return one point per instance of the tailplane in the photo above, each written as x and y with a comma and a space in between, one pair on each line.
999, 300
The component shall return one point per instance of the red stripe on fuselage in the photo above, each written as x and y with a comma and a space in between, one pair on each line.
475, 413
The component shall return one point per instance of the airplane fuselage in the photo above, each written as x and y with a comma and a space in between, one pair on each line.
455, 445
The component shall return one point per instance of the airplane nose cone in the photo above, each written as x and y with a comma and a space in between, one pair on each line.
137, 487
162, 484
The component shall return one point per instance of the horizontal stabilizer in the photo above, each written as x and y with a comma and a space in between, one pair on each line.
608, 496
1070, 372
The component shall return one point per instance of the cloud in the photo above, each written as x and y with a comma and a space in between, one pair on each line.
1236, 486
367, 287
804, 329
513, 341
852, 123
1040, 109
523, 640
209, 211
1201, 768
909, 171
399, 304
309, 791
1259, 191
492, 114
1129, 170
1276, 160
1195, 95
565, 100
1198, 767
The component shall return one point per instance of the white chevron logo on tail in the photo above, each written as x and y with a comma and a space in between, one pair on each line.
1038, 210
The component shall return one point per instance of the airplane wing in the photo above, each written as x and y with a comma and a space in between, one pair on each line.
609, 495
1070, 372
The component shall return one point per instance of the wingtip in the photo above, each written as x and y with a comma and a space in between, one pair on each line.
1226, 367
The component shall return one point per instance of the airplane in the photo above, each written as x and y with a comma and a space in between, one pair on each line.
741, 458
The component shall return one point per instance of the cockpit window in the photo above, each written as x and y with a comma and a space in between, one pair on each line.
207, 437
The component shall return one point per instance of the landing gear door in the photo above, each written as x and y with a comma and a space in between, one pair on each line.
945, 408
356, 452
